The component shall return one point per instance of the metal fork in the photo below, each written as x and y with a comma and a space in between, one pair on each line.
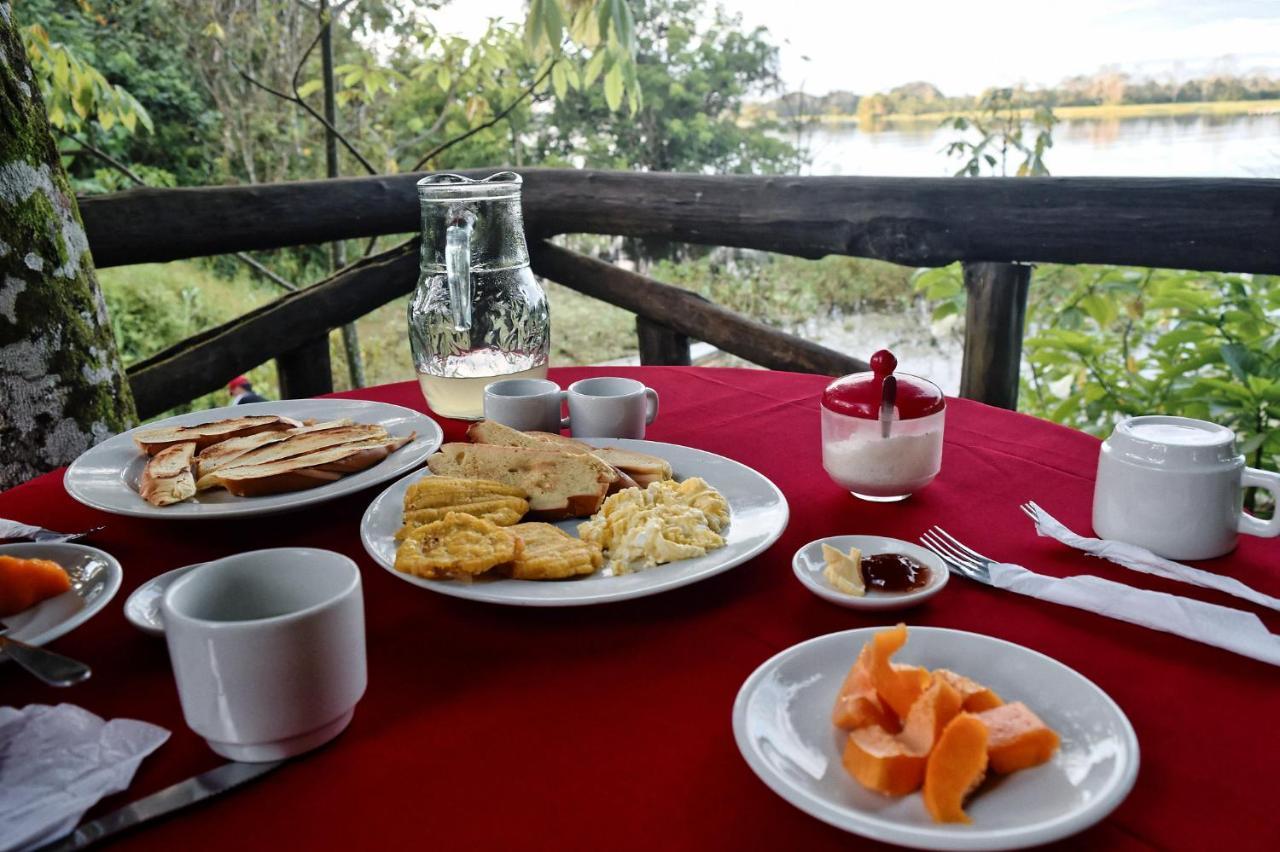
49, 666
16, 529
959, 558
1030, 508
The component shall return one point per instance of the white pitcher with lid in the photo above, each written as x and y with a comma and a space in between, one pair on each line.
1175, 486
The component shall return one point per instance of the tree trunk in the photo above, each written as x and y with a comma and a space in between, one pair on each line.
62, 386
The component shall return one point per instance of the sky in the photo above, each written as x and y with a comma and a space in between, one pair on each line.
873, 45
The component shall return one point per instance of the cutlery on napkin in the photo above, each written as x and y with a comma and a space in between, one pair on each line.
1139, 558
57, 762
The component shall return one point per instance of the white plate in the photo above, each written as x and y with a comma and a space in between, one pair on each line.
808, 566
782, 724
142, 609
106, 476
53, 617
757, 516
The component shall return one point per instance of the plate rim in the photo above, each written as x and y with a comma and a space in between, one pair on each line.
877, 828
115, 579
129, 606
880, 603
222, 511
465, 592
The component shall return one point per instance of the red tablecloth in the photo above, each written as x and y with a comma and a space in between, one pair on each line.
608, 727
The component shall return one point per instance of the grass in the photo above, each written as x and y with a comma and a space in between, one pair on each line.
1100, 111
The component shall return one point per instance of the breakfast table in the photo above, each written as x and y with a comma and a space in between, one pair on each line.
608, 727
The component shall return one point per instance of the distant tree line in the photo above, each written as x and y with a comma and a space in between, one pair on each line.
1107, 87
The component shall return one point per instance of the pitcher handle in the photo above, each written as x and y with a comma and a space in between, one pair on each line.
457, 264
1249, 525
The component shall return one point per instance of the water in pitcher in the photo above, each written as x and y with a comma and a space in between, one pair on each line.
462, 395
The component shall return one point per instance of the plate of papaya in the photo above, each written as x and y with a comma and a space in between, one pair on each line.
951, 740
47, 590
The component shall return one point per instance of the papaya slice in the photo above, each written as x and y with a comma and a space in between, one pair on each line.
1016, 738
898, 686
26, 582
955, 767
933, 710
882, 762
975, 696
857, 704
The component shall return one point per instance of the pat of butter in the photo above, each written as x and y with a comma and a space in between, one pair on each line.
844, 572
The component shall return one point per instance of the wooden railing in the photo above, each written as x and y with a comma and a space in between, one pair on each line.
996, 227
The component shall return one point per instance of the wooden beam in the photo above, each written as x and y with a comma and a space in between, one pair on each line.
210, 359
688, 313
306, 370
995, 315
1229, 225
661, 345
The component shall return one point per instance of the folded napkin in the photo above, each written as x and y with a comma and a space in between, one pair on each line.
15, 529
1141, 559
57, 762
1220, 626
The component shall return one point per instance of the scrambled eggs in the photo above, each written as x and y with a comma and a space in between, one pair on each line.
665, 522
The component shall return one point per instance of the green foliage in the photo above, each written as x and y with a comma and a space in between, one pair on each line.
1105, 342
75, 93
696, 66
1001, 127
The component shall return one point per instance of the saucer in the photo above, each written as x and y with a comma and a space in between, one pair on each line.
808, 565
142, 609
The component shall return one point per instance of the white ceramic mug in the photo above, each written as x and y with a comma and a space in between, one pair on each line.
611, 407
268, 650
1175, 486
525, 404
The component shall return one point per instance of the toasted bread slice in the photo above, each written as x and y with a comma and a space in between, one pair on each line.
167, 477
368, 436
294, 474
492, 432
219, 455
152, 441
641, 467
561, 441
559, 484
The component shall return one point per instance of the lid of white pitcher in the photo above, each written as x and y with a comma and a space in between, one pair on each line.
861, 394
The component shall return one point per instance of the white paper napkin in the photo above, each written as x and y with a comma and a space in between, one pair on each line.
1140, 559
15, 529
57, 762
1220, 626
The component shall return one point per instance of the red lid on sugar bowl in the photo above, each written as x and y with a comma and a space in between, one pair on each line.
860, 394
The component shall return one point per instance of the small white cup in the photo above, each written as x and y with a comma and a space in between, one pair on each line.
1174, 486
611, 407
525, 404
268, 650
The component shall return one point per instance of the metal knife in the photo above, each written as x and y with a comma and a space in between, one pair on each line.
183, 794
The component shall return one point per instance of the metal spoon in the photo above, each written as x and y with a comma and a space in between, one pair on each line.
50, 666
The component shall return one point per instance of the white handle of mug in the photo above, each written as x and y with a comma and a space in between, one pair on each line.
564, 399
1249, 525
652, 396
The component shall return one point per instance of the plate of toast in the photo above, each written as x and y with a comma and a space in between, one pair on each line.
538, 519
251, 459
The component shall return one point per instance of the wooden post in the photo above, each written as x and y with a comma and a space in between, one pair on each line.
305, 371
660, 345
994, 320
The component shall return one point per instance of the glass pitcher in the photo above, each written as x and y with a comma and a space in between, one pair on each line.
478, 314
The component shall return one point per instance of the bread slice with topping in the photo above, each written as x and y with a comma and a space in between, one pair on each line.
641, 467
560, 484
167, 478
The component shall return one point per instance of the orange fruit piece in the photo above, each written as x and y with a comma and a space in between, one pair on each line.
897, 685
26, 582
857, 704
882, 762
933, 710
955, 767
1016, 738
975, 696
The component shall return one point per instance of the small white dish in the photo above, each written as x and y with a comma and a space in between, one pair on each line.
106, 476
56, 616
782, 726
142, 609
808, 566
758, 514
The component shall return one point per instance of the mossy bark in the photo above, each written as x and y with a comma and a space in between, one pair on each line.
62, 385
